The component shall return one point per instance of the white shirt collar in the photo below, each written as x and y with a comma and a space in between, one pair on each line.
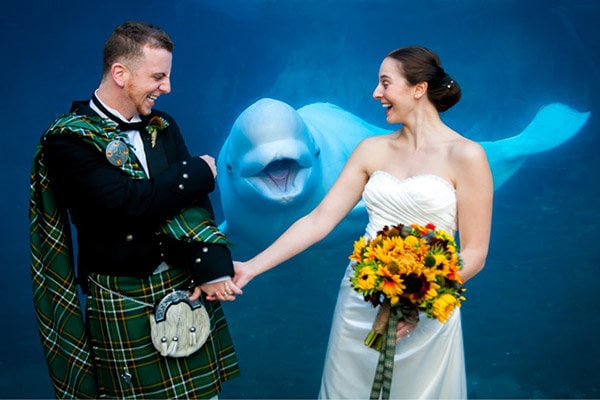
135, 118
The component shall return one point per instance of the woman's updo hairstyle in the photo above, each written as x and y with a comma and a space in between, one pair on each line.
419, 64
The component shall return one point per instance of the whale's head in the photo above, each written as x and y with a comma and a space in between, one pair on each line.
270, 157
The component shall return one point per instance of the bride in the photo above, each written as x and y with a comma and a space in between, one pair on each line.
424, 172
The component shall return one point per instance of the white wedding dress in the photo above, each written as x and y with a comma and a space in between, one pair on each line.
429, 363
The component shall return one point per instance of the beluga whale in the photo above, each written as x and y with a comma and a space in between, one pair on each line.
278, 162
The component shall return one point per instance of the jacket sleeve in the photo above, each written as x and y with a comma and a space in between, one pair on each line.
85, 176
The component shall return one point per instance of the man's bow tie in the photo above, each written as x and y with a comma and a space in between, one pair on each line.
122, 125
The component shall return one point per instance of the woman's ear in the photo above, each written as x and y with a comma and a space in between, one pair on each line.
420, 89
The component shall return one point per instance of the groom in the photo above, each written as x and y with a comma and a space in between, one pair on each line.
123, 175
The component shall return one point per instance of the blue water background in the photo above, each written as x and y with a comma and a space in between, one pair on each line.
531, 320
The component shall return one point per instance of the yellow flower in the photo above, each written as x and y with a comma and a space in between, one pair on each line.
366, 278
440, 259
443, 306
408, 263
391, 285
411, 240
359, 247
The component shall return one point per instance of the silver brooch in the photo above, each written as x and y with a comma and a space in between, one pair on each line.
117, 153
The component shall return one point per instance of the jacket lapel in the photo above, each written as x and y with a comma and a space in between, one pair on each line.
156, 157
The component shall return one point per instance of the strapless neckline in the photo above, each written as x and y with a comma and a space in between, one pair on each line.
415, 177
418, 199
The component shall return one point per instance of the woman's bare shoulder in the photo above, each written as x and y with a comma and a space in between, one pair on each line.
465, 150
377, 141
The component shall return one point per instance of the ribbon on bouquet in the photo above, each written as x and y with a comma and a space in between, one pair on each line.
385, 366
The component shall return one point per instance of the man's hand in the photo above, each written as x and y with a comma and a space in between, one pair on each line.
223, 290
211, 164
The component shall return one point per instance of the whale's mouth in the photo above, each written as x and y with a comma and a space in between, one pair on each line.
281, 174
281, 180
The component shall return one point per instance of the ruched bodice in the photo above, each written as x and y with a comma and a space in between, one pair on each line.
420, 199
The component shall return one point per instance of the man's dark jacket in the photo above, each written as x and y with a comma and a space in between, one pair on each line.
118, 217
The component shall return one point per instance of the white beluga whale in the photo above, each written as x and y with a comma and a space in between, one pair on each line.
278, 162
276, 165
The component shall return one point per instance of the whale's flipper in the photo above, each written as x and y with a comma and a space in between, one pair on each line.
553, 125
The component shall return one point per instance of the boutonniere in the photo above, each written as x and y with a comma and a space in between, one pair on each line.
155, 124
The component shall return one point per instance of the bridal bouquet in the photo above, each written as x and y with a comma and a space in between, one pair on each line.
407, 269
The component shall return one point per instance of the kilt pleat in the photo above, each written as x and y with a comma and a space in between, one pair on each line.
127, 364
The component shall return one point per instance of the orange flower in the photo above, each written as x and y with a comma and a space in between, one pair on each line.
391, 285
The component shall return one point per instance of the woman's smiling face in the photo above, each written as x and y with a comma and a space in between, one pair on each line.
393, 91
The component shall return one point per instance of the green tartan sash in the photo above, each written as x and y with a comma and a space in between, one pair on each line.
194, 223
55, 297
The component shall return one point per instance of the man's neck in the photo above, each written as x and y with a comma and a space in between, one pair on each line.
105, 98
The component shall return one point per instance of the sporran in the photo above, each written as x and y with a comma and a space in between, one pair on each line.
179, 326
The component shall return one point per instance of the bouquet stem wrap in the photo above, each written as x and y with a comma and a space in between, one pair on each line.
375, 337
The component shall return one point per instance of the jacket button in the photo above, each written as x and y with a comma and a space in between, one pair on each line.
185, 176
129, 237
181, 187
198, 260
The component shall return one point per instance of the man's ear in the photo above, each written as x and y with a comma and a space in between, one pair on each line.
119, 73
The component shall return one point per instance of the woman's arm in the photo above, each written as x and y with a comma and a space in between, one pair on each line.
474, 192
337, 203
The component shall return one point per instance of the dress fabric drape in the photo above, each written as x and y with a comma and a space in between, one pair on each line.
429, 363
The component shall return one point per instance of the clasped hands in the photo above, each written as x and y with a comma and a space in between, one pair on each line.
227, 289
224, 290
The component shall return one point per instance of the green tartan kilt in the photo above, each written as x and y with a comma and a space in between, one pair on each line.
127, 364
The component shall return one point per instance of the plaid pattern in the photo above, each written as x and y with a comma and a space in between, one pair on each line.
55, 297
128, 365
193, 223
385, 367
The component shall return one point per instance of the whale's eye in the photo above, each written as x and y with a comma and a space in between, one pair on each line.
229, 169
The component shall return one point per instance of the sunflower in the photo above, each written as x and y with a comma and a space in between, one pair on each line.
365, 279
443, 306
359, 248
391, 284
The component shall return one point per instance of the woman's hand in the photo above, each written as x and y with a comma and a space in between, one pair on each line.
403, 329
224, 290
243, 274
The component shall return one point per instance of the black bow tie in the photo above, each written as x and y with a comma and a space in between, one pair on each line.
122, 125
